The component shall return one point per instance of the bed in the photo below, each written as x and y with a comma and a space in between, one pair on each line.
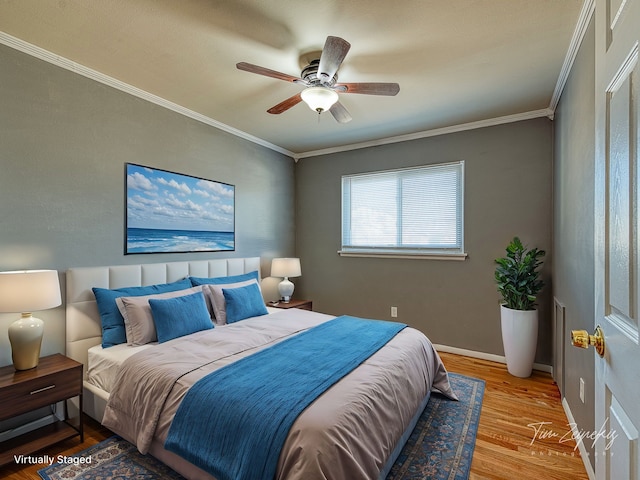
354, 430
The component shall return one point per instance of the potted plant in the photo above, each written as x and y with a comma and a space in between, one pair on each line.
517, 278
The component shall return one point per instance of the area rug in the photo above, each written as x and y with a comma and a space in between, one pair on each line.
440, 447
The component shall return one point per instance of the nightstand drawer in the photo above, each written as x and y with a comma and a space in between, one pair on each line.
22, 397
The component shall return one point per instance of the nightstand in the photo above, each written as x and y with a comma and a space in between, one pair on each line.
301, 304
55, 379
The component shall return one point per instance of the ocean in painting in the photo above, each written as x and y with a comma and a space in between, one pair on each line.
152, 240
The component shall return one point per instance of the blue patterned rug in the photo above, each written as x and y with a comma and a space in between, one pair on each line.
440, 447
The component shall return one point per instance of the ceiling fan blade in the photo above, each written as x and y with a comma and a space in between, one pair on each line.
390, 89
286, 104
249, 67
340, 113
333, 53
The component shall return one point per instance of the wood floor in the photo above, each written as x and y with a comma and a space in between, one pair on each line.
506, 447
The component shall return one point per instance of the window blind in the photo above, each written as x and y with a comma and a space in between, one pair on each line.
418, 210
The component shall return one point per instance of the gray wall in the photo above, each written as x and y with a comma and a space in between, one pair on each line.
64, 140
573, 243
507, 192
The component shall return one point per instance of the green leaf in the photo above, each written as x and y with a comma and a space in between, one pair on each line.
517, 275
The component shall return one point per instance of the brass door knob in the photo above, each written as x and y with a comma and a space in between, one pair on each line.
582, 339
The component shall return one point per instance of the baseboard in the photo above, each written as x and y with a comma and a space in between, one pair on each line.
486, 356
583, 451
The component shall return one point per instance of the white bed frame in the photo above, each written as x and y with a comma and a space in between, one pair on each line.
83, 329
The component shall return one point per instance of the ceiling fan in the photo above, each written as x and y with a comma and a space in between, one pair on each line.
320, 81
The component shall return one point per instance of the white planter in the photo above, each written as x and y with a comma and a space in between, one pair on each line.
519, 337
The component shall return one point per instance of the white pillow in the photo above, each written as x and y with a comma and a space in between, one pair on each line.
218, 303
138, 319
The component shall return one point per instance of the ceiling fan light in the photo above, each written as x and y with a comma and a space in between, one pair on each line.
319, 99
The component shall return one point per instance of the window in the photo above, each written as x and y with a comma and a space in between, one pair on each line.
412, 212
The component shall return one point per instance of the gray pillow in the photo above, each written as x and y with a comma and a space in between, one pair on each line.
138, 319
218, 302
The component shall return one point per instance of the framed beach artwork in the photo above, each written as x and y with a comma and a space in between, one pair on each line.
170, 212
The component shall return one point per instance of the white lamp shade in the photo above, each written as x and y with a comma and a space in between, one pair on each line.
285, 267
319, 99
29, 291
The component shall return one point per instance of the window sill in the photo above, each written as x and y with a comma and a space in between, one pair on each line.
403, 255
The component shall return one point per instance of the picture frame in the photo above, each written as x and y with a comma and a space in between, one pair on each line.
169, 212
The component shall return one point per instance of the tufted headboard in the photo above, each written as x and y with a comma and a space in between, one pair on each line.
83, 329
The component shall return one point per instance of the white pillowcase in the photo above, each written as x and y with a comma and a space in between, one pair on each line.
138, 319
218, 303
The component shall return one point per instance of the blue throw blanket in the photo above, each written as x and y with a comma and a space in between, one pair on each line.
233, 422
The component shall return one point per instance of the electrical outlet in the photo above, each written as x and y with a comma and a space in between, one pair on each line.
582, 390
394, 312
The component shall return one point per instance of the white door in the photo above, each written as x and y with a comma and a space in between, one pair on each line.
617, 246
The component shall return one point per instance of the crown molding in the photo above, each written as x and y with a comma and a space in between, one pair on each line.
587, 11
67, 64
490, 122
70, 65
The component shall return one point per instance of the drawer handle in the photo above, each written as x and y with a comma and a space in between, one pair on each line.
42, 389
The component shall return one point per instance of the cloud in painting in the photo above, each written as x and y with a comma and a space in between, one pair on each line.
162, 200
137, 181
180, 187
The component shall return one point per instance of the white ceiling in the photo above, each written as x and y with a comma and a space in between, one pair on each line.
457, 61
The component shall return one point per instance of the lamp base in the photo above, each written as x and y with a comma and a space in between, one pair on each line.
285, 289
25, 336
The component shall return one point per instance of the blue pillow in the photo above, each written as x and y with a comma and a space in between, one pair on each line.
180, 316
243, 302
113, 331
195, 281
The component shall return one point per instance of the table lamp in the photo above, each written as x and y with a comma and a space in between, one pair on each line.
27, 291
285, 267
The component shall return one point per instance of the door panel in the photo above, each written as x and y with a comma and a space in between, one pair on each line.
622, 197
622, 442
616, 13
620, 260
617, 249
